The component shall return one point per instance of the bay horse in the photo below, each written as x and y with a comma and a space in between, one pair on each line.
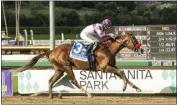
104, 58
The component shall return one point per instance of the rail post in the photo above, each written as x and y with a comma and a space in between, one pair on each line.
62, 37
52, 24
148, 43
32, 37
26, 37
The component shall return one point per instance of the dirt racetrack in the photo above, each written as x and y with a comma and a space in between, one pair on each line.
79, 99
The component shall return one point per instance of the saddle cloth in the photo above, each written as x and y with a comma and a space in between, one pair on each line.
79, 51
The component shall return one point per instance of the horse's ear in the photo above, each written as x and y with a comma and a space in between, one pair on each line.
129, 34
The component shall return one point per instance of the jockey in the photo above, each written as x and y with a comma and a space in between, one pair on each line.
95, 33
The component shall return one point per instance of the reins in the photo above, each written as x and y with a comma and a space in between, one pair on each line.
111, 49
124, 45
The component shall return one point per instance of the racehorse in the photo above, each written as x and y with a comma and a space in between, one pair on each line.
104, 59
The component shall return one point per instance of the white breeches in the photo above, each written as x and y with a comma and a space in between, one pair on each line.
89, 38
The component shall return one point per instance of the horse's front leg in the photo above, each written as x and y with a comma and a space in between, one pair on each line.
122, 75
119, 73
129, 82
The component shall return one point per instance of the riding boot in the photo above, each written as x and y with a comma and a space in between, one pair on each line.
92, 55
89, 55
89, 48
95, 46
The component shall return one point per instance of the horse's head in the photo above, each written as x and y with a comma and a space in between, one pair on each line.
130, 41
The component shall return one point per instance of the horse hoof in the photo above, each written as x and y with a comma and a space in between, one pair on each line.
138, 90
90, 96
50, 97
60, 96
35, 94
124, 88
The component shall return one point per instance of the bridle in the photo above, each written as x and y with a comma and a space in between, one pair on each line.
136, 44
124, 44
132, 39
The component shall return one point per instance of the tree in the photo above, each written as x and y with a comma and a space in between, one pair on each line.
35, 6
122, 10
2, 19
93, 18
58, 19
10, 18
146, 17
109, 14
168, 16
130, 5
76, 5
123, 19
135, 17
32, 21
23, 20
154, 17
69, 4
8, 4
73, 18
100, 6
112, 6
43, 19
89, 4
141, 10
67, 18
65, 4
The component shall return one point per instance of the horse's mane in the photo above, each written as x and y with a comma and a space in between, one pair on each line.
113, 39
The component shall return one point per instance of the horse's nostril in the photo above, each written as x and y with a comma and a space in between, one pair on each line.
135, 50
142, 50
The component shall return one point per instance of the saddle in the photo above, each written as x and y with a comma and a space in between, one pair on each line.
91, 52
83, 52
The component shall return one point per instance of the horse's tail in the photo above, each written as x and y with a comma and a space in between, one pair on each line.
32, 62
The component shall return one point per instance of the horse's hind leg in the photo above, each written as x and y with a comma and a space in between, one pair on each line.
36, 94
71, 76
58, 74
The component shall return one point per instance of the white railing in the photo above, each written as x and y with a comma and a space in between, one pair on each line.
58, 42
47, 42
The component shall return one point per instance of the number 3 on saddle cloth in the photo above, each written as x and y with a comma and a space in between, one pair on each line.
79, 52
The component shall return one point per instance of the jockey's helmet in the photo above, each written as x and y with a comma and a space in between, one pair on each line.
107, 22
